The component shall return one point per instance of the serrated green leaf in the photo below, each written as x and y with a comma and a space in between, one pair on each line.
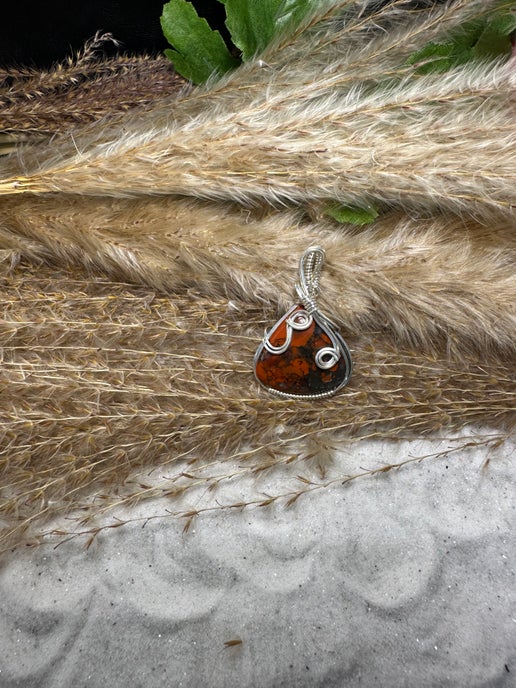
292, 12
198, 51
351, 214
251, 24
479, 39
495, 41
505, 24
433, 57
466, 35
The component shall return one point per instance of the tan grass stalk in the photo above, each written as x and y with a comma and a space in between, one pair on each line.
85, 88
91, 525
426, 282
270, 134
102, 381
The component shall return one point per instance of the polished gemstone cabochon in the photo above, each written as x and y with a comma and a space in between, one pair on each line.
295, 372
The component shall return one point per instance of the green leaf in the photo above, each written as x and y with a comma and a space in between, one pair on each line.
466, 35
291, 12
433, 57
251, 24
198, 51
495, 39
351, 214
480, 39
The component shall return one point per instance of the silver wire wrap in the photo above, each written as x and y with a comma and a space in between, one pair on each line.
298, 321
310, 268
307, 289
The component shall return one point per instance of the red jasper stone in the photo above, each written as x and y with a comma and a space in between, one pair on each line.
295, 371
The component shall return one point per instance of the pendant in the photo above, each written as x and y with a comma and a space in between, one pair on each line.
303, 356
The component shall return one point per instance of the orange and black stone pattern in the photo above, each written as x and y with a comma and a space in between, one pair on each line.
295, 372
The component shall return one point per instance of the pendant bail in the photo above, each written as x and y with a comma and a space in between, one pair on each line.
310, 268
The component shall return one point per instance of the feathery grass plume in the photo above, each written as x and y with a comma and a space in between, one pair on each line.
85, 88
424, 282
103, 381
336, 113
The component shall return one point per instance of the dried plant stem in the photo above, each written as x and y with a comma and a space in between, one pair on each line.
108, 381
286, 498
425, 282
86, 88
276, 136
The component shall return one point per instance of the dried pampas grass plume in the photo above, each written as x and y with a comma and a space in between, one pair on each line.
134, 287
332, 113
432, 283
101, 382
35, 105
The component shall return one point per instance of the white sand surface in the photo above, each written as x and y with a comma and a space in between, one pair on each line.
401, 579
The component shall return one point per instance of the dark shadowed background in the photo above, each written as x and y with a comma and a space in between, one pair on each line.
37, 33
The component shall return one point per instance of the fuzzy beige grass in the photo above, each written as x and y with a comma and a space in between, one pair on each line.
128, 325
102, 381
434, 283
271, 133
